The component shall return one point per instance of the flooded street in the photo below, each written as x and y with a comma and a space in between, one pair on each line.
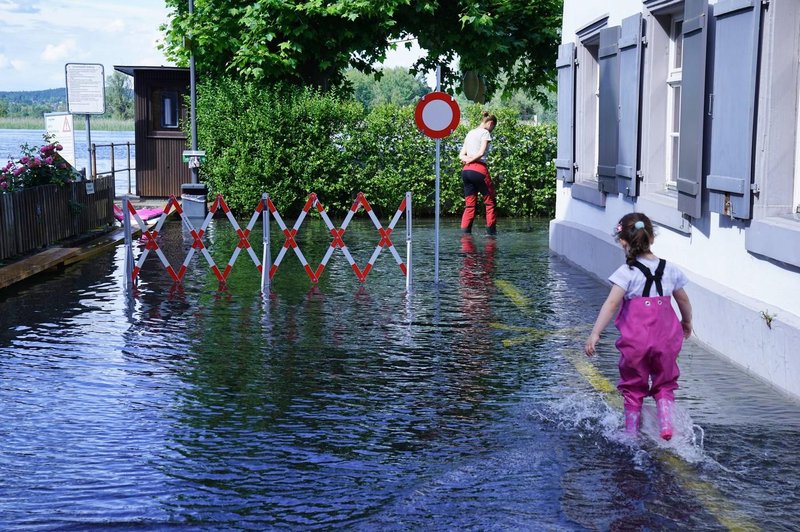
467, 406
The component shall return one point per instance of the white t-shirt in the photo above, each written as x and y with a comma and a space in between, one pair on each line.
474, 140
632, 280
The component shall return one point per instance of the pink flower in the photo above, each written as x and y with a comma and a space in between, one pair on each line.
62, 166
19, 170
25, 159
59, 147
4, 185
49, 160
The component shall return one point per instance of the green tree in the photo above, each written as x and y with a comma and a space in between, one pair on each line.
119, 96
314, 41
3, 108
394, 86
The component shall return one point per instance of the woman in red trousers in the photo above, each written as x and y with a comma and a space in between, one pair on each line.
475, 174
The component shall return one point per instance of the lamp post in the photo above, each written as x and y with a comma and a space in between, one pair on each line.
193, 98
194, 194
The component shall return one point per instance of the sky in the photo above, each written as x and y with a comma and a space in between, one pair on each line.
38, 38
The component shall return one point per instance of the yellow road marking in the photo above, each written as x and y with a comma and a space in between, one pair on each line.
513, 294
725, 512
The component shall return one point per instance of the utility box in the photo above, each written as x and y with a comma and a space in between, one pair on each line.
194, 198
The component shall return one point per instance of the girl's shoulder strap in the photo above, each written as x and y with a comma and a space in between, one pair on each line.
652, 278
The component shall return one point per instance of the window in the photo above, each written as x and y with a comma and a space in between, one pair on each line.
170, 107
586, 108
167, 111
796, 201
674, 76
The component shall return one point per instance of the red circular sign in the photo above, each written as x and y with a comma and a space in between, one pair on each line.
437, 115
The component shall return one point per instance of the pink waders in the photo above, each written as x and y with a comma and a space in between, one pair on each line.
650, 340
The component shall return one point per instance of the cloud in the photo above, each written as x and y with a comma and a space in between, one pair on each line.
14, 64
58, 52
115, 26
19, 7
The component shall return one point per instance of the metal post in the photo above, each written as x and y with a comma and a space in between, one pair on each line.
436, 207
93, 151
113, 173
129, 166
126, 223
266, 255
409, 276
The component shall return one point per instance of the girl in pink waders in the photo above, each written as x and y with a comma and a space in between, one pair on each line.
650, 334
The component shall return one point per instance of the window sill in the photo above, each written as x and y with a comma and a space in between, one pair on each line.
662, 208
166, 134
775, 237
588, 192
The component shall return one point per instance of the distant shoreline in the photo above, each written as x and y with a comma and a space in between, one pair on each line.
100, 123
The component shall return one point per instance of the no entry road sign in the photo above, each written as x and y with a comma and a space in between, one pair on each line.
437, 115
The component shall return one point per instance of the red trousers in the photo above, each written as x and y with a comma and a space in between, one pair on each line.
471, 189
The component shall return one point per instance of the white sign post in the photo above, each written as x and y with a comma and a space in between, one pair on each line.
437, 115
60, 127
86, 95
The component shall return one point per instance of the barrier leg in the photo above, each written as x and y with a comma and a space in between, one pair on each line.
408, 242
126, 224
266, 257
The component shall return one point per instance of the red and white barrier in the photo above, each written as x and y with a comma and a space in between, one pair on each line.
264, 208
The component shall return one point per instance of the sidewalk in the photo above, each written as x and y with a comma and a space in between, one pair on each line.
73, 250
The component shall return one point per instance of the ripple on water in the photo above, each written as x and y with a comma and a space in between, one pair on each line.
359, 406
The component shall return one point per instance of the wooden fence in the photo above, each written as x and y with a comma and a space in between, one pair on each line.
36, 217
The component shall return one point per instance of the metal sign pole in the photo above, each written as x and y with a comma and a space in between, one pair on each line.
89, 166
408, 242
436, 208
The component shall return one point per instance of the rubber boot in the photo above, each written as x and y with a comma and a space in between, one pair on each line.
633, 419
664, 410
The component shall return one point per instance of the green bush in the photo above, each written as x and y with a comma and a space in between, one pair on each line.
289, 142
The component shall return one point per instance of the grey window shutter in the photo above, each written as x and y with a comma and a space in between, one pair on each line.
732, 106
693, 99
608, 145
565, 153
630, 82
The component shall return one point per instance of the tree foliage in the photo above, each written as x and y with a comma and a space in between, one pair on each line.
394, 86
119, 96
314, 41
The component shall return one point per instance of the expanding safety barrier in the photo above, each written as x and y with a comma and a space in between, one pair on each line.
265, 209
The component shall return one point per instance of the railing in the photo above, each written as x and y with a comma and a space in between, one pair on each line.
114, 170
36, 217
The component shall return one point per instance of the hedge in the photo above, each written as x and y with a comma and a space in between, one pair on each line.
290, 141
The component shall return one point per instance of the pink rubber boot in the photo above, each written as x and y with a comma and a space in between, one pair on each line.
664, 410
632, 420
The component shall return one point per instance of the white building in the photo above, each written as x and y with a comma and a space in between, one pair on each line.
687, 110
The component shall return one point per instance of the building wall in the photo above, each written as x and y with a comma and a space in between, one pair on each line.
160, 169
741, 246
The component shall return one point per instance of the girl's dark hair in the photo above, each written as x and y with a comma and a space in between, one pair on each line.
637, 230
488, 118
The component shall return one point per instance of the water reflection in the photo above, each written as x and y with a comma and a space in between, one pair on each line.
358, 405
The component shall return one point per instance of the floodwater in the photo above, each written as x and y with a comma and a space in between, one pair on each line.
465, 406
